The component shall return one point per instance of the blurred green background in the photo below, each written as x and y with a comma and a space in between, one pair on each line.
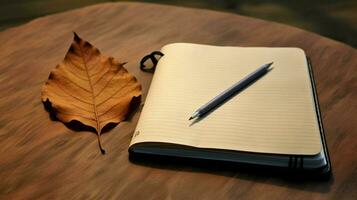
334, 19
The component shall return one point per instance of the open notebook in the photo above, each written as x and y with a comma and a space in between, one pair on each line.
275, 121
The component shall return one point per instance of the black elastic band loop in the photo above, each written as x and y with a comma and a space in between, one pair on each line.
153, 59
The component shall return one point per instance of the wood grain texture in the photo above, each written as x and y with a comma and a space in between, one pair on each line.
41, 158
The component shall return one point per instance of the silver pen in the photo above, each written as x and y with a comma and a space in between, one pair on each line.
230, 91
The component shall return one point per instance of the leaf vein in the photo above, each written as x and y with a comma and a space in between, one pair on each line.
69, 94
81, 108
72, 114
74, 83
101, 77
75, 65
106, 84
76, 75
127, 83
108, 109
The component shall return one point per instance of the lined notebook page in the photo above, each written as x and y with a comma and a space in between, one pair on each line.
276, 114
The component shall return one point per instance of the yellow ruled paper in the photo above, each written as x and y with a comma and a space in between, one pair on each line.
276, 114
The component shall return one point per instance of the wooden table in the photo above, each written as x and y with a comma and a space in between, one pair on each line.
41, 158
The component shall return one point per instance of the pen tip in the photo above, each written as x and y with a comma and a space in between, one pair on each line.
190, 118
268, 65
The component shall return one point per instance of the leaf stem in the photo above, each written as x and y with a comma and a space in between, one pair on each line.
100, 144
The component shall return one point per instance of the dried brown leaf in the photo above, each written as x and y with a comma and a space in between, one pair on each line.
90, 88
